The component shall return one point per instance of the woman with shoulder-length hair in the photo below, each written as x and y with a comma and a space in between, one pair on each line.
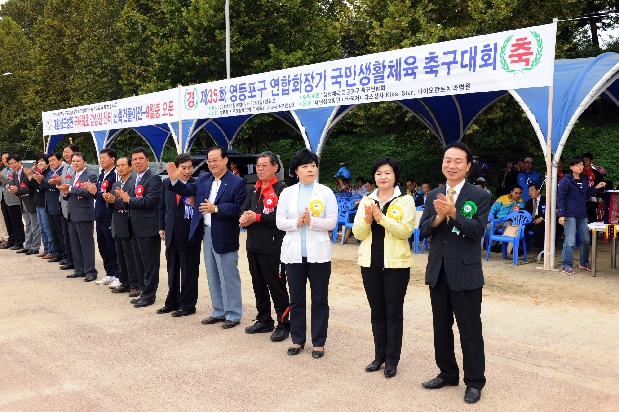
384, 222
307, 212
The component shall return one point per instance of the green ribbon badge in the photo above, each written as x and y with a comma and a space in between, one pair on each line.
468, 209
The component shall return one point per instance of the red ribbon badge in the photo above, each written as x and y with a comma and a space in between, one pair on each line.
139, 191
105, 184
9, 176
68, 177
516, 208
23, 184
78, 184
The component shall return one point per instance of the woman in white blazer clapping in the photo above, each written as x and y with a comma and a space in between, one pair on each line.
307, 212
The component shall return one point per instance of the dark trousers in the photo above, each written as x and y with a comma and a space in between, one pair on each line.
127, 272
267, 278
386, 289
8, 223
538, 233
14, 224
318, 275
146, 251
55, 229
83, 247
183, 271
466, 305
107, 247
592, 211
68, 255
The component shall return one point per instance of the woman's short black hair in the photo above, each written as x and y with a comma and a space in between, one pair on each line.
387, 161
302, 157
42, 156
575, 160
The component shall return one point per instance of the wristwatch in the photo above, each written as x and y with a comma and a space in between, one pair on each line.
216, 209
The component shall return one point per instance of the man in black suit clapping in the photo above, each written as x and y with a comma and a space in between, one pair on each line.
143, 202
456, 216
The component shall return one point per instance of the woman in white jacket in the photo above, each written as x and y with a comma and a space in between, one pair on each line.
307, 212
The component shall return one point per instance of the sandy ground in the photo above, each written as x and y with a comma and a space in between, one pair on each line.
65, 345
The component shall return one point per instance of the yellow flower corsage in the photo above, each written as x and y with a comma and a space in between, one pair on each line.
395, 212
316, 207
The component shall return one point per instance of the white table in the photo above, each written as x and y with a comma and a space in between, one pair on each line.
601, 227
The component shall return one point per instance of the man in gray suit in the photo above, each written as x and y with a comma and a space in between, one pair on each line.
66, 177
455, 217
11, 208
28, 208
81, 216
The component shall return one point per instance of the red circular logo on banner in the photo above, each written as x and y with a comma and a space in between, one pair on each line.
68, 177
139, 191
516, 208
10, 176
105, 184
23, 184
78, 184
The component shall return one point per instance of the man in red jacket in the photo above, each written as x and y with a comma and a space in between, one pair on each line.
264, 242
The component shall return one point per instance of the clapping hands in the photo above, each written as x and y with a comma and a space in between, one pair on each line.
305, 218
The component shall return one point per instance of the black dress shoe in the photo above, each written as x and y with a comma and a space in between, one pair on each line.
260, 326
32, 252
134, 301
183, 312
438, 383
23, 251
63, 262
280, 334
166, 309
317, 354
472, 395
75, 275
53, 260
390, 371
143, 303
16, 247
295, 351
374, 366
120, 289
90, 278
67, 267
6, 247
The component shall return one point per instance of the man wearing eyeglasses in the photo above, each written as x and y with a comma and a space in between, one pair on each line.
219, 196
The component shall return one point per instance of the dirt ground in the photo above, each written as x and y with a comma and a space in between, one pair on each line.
65, 345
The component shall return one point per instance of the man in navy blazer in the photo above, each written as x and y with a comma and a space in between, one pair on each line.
182, 252
81, 216
143, 201
455, 217
220, 195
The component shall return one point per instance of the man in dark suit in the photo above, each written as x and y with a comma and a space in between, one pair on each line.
81, 216
121, 230
536, 206
221, 195
182, 252
456, 216
11, 207
264, 244
22, 189
103, 216
52, 206
143, 201
421, 199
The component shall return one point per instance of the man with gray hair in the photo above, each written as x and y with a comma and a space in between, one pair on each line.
264, 242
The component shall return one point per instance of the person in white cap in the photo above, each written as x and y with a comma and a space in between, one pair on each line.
528, 176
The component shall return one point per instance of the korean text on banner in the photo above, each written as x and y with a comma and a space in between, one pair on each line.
509, 60
143, 110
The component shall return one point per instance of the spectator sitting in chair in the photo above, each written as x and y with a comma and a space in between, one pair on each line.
536, 206
505, 205
421, 200
359, 188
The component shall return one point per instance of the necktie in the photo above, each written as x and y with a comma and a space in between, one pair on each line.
178, 199
137, 181
535, 207
450, 196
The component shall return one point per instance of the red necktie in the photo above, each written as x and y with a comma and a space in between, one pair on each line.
178, 199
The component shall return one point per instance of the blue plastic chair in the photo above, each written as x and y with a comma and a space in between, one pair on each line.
342, 216
520, 217
415, 238
349, 218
